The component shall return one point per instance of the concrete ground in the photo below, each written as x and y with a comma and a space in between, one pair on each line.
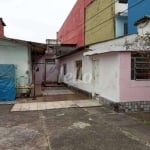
95, 128
53, 93
75, 128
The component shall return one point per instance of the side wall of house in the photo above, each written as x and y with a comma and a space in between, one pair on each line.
131, 90
99, 21
71, 70
13, 53
100, 76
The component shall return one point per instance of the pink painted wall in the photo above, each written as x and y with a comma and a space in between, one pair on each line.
72, 31
131, 90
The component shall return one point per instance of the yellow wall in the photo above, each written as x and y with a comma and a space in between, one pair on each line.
95, 28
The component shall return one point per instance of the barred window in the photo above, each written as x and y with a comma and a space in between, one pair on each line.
140, 66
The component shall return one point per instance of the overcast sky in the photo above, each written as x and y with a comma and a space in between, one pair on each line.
34, 20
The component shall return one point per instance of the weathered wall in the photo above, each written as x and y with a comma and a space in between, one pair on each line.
51, 73
144, 30
131, 90
99, 21
100, 76
70, 77
72, 31
17, 54
107, 85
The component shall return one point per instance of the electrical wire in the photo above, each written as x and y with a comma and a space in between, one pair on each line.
108, 20
115, 15
92, 17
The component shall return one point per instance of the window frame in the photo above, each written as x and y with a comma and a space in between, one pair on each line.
78, 65
140, 66
64, 69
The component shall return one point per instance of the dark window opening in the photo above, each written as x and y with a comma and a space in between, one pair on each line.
79, 70
65, 69
50, 61
123, 1
125, 28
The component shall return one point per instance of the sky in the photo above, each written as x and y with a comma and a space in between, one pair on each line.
34, 20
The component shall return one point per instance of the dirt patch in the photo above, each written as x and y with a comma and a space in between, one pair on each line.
142, 116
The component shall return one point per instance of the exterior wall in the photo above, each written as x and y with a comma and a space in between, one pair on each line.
119, 7
120, 21
13, 53
134, 14
72, 31
51, 71
102, 74
109, 74
131, 90
99, 22
70, 77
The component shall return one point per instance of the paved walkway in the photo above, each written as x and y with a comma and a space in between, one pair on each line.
54, 105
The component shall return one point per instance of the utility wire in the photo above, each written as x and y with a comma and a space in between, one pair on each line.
114, 16
107, 20
92, 17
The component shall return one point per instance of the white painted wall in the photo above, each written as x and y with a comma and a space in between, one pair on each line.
103, 71
13, 53
70, 77
109, 75
143, 28
119, 7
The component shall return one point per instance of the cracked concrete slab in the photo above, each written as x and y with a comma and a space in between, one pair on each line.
91, 128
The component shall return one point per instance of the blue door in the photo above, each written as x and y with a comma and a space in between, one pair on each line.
7, 82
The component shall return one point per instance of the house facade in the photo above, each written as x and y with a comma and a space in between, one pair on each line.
112, 67
116, 72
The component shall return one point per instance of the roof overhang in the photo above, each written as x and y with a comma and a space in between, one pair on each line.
115, 45
142, 20
34, 46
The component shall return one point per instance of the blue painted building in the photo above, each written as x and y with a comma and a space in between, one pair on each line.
137, 9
